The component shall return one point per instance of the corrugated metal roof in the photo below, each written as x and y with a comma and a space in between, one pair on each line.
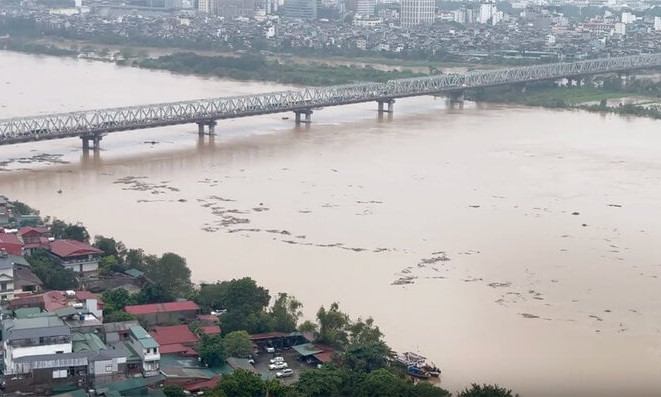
143, 337
174, 334
69, 248
162, 307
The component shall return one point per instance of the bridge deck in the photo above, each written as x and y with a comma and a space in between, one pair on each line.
62, 125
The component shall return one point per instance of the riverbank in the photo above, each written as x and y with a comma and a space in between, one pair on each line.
641, 98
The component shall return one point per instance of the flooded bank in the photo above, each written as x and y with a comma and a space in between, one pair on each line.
509, 245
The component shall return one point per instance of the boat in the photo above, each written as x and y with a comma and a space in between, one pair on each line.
432, 370
417, 372
409, 358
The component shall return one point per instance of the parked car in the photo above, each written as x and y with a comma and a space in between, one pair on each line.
277, 360
281, 365
284, 373
270, 349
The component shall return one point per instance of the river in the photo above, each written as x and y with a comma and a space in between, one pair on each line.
526, 239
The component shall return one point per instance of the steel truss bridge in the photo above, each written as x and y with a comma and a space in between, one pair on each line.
92, 124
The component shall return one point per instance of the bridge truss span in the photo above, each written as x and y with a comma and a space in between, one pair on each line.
96, 122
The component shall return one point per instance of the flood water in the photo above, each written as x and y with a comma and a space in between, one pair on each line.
525, 241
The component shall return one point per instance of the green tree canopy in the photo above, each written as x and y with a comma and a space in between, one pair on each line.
238, 344
117, 299
285, 313
110, 246
62, 230
173, 391
324, 382
242, 383
117, 316
367, 356
50, 272
212, 351
382, 383
170, 271
333, 326
486, 391
154, 293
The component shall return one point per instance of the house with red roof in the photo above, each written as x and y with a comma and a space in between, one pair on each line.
34, 238
173, 334
210, 330
76, 255
11, 244
164, 313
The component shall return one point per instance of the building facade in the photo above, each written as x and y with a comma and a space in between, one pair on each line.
148, 350
417, 12
366, 7
301, 9
75, 255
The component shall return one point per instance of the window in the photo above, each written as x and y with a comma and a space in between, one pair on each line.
58, 374
108, 367
3, 286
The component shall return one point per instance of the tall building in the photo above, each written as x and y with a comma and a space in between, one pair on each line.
486, 12
303, 9
417, 12
365, 7
205, 6
233, 8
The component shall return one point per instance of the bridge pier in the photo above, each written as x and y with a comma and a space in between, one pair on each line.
211, 128
457, 97
95, 138
306, 112
391, 105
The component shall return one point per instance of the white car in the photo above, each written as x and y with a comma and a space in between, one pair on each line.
270, 349
276, 360
281, 365
284, 373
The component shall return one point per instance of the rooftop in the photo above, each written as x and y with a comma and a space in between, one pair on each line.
8, 261
162, 307
174, 334
143, 337
10, 238
211, 330
70, 248
87, 342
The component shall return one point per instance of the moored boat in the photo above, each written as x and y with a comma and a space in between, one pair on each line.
432, 370
417, 372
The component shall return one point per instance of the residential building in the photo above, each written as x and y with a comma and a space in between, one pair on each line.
11, 244
620, 28
119, 331
233, 8
5, 211
147, 349
205, 6
75, 255
366, 7
657, 23
7, 264
174, 334
417, 12
164, 313
34, 238
486, 12
628, 17
302, 9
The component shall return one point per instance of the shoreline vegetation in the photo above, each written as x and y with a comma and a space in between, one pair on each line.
361, 364
593, 96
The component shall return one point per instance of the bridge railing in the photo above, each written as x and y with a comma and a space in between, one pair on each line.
134, 117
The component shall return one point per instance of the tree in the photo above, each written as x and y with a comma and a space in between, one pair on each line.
68, 231
368, 356
109, 265
110, 247
242, 383
308, 326
285, 313
154, 293
50, 272
236, 320
382, 383
117, 299
243, 295
135, 259
364, 331
324, 382
332, 326
117, 316
171, 271
238, 344
174, 391
212, 351
426, 389
486, 391
22, 208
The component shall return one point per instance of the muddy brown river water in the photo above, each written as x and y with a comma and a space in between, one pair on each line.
510, 245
